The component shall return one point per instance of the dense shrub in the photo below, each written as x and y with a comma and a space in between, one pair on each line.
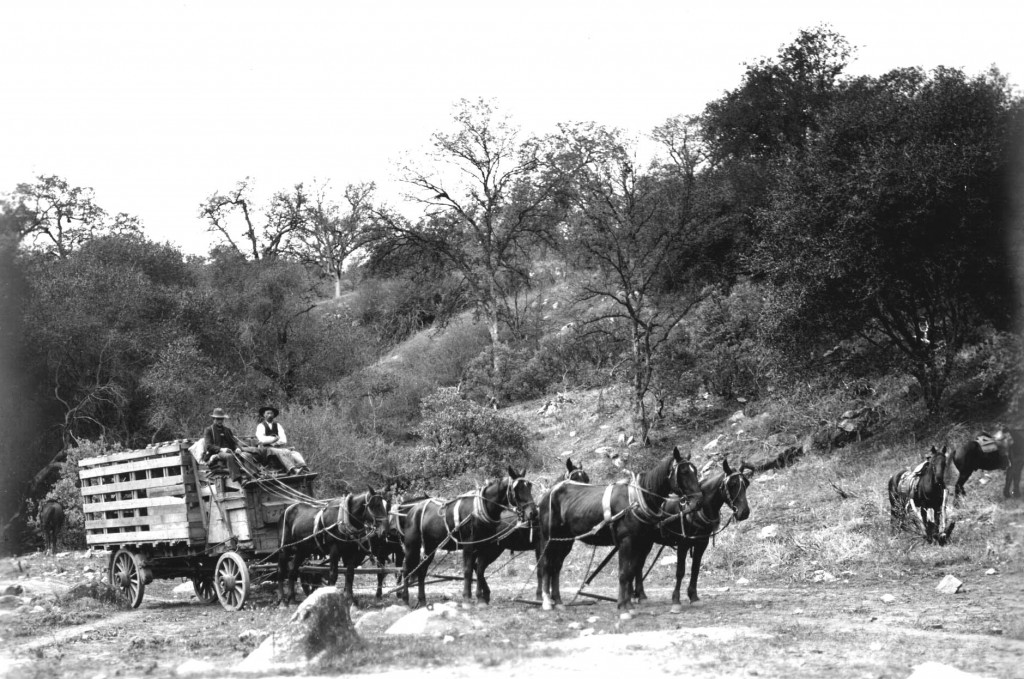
731, 358
562, 361
460, 435
66, 492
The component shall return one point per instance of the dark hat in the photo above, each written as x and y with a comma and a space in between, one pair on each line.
266, 408
218, 413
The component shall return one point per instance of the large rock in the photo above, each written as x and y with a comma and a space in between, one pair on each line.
320, 630
438, 620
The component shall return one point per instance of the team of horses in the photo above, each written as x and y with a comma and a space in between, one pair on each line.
669, 504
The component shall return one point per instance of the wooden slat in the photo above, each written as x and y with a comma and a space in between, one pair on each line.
172, 462
142, 536
131, 485
165, 520
133, 455
145, 502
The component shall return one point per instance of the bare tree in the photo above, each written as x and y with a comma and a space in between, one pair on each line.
330, 233
262, 234
57, 218
489, 197
627, 230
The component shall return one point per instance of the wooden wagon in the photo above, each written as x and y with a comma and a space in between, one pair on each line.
161, 516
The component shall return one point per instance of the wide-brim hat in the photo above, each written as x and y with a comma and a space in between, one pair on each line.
266, 408
219, 413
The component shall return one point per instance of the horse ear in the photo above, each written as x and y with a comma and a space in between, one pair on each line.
675, 453
725, 465
568, 464
511, 472
746, 469
370, 488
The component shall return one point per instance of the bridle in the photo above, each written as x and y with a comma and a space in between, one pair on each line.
730, 500
673, 476
510, 496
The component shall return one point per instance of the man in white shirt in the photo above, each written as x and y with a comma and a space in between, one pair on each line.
272, 438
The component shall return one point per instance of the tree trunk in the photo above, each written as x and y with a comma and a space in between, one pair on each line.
337, 285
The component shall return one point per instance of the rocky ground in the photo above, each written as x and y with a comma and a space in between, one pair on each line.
849, 626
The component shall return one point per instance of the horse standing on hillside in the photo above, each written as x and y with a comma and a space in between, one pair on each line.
468, 523
516, 536
344, 530
691, 532
51, 520
623, 514
1000, 451
922, 489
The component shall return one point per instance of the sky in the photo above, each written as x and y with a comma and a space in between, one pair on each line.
157, 105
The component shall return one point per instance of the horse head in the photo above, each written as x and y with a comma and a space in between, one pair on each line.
375, 511
574, 473
684, 480
934, 473
519, 495
733, 488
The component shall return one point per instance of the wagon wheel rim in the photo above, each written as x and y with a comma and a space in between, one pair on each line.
204, 589
231, 580
126, 576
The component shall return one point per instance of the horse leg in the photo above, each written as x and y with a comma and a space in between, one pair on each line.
681, 550
483, 590
468, 564
628, 554
696, 555
552, 560
637, 590
282, 576
961, 479
352, 560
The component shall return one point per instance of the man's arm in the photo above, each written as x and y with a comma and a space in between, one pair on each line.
261, 434
282, 439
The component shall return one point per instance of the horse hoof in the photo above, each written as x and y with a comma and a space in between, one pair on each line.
676, 608
546, 606
625, 615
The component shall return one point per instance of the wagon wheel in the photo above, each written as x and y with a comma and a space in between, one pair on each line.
204, 589
126, 574
231, 580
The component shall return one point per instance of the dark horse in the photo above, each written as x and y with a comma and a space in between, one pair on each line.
343, 530
51, 520
691, 532
921, 489
1003, 453
623, 514
468, 522
516, 536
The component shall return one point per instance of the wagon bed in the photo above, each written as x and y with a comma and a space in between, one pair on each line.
161, 516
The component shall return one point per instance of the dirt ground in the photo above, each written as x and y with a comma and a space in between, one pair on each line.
847, 627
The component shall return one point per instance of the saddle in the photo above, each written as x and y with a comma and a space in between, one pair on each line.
987, 443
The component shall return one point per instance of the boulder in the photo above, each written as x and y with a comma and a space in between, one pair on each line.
319, 631
94, 589
949, 585
434, 621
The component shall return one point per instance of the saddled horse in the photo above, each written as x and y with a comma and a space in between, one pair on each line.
51, 520
691, 532
468, 523
343, 530
921, 489
1000, 451
516, 536
623, 514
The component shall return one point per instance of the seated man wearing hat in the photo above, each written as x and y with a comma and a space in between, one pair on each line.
221, 446
271, 437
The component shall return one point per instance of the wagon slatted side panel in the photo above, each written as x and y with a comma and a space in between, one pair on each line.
141, 496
